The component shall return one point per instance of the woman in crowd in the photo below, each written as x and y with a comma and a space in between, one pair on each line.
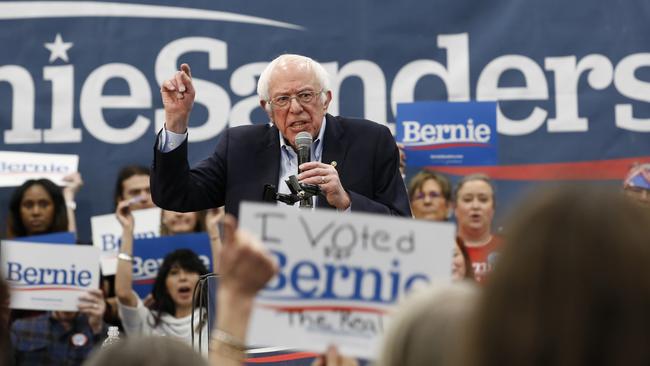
39, 206
171, 310
247, 268
430, 196
461, 266
572, 285
474, 209
172, 223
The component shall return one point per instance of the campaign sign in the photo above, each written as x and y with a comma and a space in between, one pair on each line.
448, 133
49, 277
64, 237
148, 255
340, 274
17, 167
107, 234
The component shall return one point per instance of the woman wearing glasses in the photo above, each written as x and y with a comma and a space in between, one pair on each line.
430, 196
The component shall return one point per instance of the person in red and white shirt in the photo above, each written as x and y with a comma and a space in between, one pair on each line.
474, 205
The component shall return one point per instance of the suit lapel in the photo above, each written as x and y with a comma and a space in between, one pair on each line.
269, 158
334, 148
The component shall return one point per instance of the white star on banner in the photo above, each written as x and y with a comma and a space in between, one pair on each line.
58, 48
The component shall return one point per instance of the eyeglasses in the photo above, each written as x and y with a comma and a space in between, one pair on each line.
431, 194
304, 97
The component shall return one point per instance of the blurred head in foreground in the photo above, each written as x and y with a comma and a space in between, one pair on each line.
572, 285
147, 351
428, 328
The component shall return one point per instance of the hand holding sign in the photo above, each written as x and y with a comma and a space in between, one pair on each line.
73, 183
332, 357
178, 97
93, 306
124, 216
245, 264
246, 267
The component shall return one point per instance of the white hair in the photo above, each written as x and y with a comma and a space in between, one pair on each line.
319, 71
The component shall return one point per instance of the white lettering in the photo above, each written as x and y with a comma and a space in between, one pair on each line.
567, 76
22, 111
487, 89
455, 76
632, 88
62, 130
93, 101
243, 82
212, 96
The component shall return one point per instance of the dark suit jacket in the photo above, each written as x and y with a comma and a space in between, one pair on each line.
248, 157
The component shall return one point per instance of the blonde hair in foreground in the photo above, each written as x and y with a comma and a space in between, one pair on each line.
427, 329
147, 351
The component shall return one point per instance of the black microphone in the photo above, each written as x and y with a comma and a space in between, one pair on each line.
303, 145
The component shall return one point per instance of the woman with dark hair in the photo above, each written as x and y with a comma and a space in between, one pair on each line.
572, 285
461, 265
171, 311
39, 206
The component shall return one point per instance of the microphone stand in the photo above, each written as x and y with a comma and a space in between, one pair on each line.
299, 192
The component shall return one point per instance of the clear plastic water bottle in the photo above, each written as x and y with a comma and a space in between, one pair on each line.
113, 336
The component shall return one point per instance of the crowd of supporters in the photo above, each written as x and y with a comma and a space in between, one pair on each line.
564, 283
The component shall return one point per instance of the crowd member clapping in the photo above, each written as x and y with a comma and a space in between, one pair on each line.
571, 287
171, 310
474, 209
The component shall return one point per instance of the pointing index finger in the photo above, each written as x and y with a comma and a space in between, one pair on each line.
186, 69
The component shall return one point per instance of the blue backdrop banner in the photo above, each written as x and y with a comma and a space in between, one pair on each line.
571, 79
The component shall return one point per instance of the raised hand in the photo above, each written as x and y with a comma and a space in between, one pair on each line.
73, 185
178, 98
124, 215
245, 265
212, 218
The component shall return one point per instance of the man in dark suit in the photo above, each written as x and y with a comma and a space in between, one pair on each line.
354, 162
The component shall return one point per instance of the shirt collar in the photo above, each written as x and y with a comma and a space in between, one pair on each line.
317, 143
